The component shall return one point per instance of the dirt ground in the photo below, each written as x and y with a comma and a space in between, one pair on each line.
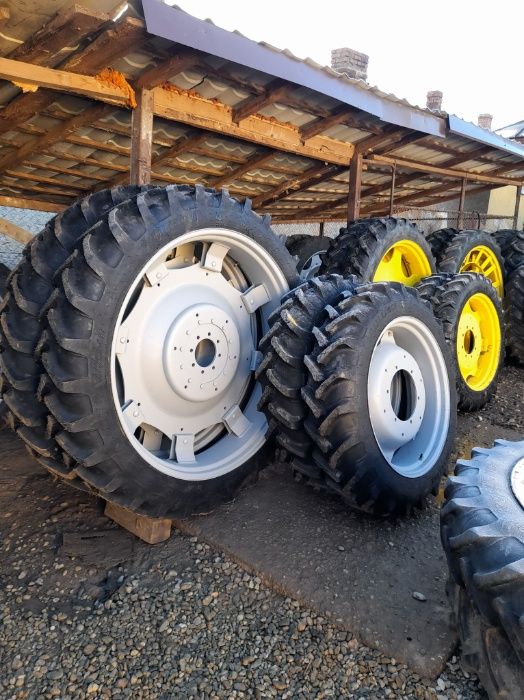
61, 559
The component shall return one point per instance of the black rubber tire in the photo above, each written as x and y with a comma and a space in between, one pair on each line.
511, 243
448, 294
24, 305
514, 303
282, 373
4, 276
453, 255
303, 248
440, 239
482, 531
337, 396
359, 248
76, 347
485, 649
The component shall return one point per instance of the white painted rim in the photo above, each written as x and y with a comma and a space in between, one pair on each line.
184, 353
517, 481
409, 397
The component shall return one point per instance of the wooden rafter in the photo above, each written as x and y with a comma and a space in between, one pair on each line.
22, 202
343, 115
255, 161
168, 68
17, 233
274, 92
315, 174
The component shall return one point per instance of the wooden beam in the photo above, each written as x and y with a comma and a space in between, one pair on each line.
518, 197
17, 233
392, 190
343, 115
141, 138
32, 76
57, 133
203, 113
255, 161
275, 91
168, 68
5, 14
355, 183
445, 171
460, 219
35, 204
388, 136
21, 175
312, 176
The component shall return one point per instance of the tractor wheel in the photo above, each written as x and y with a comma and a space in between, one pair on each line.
382, 399
485, 649
440, 239
308, 251
282, 373
471, 314
151, 346
483, 536
511, 244
474, 251
515, 314
27, 293
381, 250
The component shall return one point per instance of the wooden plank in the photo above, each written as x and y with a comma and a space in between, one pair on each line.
66, 171
392, 190
447, 172
21, 175
388, 136
255, 161
66, 29
36, 204
355, 184
141, 138
17, 233
173, 65
150, 530
23, 108
203, 113
311, 176
275, 91
343, 115
460, 219
58, 133
5, 14
27, 74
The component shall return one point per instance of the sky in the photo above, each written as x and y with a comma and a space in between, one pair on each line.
471, 51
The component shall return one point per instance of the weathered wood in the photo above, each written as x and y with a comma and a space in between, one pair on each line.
36, 204
5, 14
275, 91
355, 186
343, 115
392, 190
197, 111
388, 136
462, 199
141, 138
313, 175
23, 108
17, 233
150, 530
42, 179
518, 198
173, 65
253, 162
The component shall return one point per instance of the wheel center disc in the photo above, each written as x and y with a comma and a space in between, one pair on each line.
201, 352
517, 481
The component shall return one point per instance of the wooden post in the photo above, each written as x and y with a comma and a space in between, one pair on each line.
142, 138
517, 207
460, 218
321, 228
355, 183
392, 190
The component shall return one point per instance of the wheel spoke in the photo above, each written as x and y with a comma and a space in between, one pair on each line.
184, 256
152, 439
214, 257
132, 415
236, 422
184, 448
255, 297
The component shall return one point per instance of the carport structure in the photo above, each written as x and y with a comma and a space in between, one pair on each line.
93, 98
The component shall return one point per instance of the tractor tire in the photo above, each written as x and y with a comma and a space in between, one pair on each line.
485, 649
471, 314
307, 250
282, 373
440, 239
511, 243
179, 278
474, 251
23, 306
515, 315
381, 250
384, 434
483, 536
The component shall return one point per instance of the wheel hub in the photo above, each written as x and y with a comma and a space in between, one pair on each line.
201, 352
517, 481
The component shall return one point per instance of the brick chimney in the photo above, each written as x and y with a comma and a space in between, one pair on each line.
485, 121
434, 100
353, 63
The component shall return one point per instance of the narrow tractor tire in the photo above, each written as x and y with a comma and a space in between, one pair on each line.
483, 537
453, 257
485, 649
360, 248
338, 396
511, 243
282, 372
514, 303
439, 240
448, 295
77, 346
23, 307
305, 248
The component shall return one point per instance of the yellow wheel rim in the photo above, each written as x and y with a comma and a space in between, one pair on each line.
478, 342
483, 260
404, 262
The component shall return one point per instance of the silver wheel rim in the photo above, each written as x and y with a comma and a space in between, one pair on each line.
409, 397
311, 266
184, 353
517, 481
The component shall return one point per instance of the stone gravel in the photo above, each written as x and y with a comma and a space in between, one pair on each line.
205, 629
